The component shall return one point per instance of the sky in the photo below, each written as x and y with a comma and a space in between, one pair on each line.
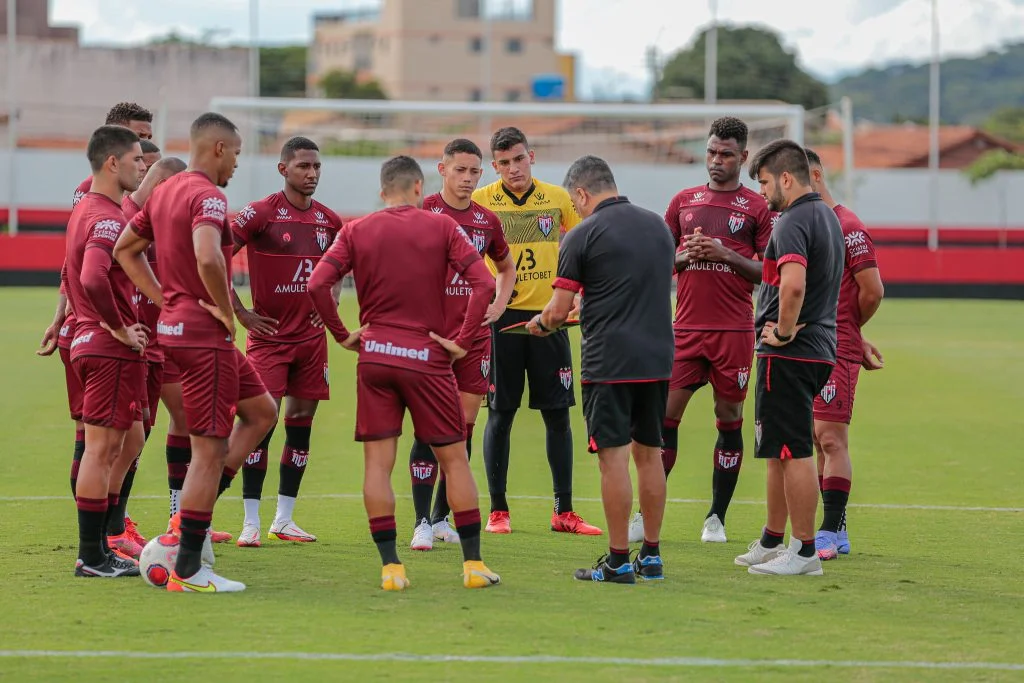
611, 36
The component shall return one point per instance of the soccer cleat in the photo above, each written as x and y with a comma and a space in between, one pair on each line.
572, 523
123, 545
112, 567
636, 528
602, 573
174, 524
649, 568
207, 558
250, 536
423, 536
499, 522
132, 530
392, 577
825, 543
843, 542
789, 563
287, 530
444, 532
220, 536
758, 554
475, 574
713, 531
203, 581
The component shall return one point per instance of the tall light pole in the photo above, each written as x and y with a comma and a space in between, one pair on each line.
12, 116
254, 48
711, 57
933, 134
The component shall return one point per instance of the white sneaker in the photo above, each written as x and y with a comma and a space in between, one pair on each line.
789, 563
636, 528
204, 581
206, 558
758, 554
287, 530
423, 536
714, 531
444, 532
250, 536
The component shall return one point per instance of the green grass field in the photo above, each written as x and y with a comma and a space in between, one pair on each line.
935, 577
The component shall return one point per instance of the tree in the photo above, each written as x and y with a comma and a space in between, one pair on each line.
343, 85
752, 65
283, 71
1006, 123
990, 163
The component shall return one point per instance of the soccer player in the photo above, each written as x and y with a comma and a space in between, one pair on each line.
186, 218
796, 323
719, 228
534, 216
106, 351
621, 255
460, 169
284, 235
860, 295
400, 257
150, 153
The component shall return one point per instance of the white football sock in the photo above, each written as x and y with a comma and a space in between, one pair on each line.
285, 509
252, 510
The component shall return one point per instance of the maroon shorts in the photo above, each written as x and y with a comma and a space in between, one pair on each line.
383, 393
213, 381
834, 403
73, 384
298, 370
114, 390
154, 380
722, 358
473, 370
172, 375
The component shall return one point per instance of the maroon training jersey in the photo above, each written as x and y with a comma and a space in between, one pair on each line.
176, 208
96, 286
67, 330
712, 296
860, 255
483, 227
149, 312
283, 244
400, 258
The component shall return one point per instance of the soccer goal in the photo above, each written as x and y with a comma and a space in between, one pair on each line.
654, 149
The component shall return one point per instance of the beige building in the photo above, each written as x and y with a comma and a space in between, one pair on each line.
443, 49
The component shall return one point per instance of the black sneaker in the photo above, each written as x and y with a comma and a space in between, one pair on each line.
649, 568
603, 573
111, 568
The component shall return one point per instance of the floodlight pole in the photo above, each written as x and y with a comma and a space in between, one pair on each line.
933, 134
12, 116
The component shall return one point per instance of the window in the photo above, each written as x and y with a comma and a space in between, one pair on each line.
475, 95
514, 45
511, 95
476, 44
467, 9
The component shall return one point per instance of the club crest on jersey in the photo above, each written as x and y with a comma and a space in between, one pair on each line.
736, 222
479, 242
485, 366
322, 239
828, 392
565, 377
742, 377
546, 225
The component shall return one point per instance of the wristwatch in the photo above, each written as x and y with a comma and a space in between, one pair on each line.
781, 338
541, 326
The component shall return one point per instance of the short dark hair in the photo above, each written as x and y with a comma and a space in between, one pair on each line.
781, 156
506, 138
122, 113
813, 158
148, 147
462, 146
294, 145
730, 128
590, 173
399, 173
172, 164
211, 120
109, 141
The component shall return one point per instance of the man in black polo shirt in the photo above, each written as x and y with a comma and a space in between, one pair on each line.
620, 259
796, 325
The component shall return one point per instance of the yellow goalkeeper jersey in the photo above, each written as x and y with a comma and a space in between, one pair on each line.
533, 224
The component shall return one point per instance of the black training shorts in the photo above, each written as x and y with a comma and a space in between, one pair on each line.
545, 361
622, 412
784, 406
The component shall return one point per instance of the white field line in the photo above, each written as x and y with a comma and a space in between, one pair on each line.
668, 662
686, 501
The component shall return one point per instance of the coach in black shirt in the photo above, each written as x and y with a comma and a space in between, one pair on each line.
620, 259
796, 324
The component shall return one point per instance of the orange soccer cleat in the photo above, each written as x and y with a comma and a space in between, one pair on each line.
572, 523
499, 522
